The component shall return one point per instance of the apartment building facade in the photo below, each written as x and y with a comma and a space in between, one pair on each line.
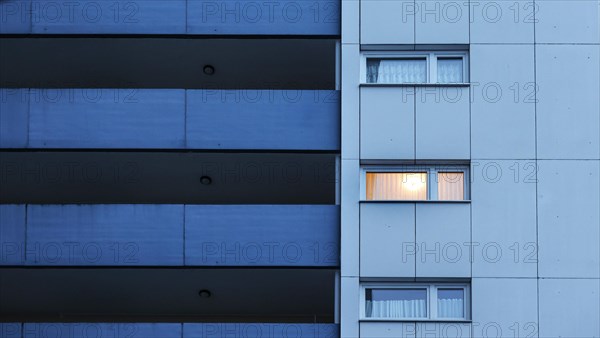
463, 126
353, 168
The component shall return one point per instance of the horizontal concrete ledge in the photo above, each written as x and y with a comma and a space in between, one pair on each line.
169, 235
215, 17
167, 330
170, 119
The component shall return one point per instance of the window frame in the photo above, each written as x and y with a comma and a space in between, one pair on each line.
431, 184
430, 57
432, 294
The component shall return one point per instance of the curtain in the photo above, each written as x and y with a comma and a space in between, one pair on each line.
397, 71
450, 308
450, 70
451, 186
415, 308
396, 186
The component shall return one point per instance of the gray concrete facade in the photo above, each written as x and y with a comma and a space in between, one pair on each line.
528, 124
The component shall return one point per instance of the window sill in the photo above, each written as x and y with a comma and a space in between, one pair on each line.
415, 85
415, 201
374, 320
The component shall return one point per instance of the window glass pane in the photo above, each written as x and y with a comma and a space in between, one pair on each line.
396, 70
450, 70
451, 303
451, 186
396, 186
396, 303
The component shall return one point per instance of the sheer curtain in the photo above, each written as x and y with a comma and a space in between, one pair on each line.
396, 186
450, 308
397, 71
450, 70
451, 186
414, 308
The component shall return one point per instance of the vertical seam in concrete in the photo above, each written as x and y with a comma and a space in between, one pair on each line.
469, 58
30, 12
415, 125
414, 26
185, 118
359, 179
186, 32
537, 237
359, 24
416, 243
469, 23
183, 234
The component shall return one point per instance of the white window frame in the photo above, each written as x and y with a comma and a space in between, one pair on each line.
431, 300
430, 57
432, 179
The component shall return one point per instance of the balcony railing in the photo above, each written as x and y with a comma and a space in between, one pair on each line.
169, 235
170, 119
167, 330
214, 17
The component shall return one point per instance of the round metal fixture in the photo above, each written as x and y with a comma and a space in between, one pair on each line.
209, 70
204, 294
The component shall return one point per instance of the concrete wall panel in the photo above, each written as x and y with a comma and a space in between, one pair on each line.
387, 123
442, 230
569, 307
503, 102
568, 79
568, 219
442, 123
387, 236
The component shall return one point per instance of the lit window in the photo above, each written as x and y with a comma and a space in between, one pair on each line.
422, 301
397, 186
411, 183
415, 67
451, 186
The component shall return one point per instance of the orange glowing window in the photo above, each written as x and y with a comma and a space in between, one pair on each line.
396, 186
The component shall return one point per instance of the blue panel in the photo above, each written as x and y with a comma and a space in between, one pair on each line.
10, 330
14, 116
114, 17
12, 234
263, 235
304, 17
105, 235
107, 118
263, 119
15, 16
256, 330
101, 330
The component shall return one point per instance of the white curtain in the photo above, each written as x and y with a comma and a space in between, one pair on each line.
396, 186
450, 308
416, 308
451, 186
450, 70
401, 71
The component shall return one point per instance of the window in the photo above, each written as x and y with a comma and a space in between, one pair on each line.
415, 67
415, 183
400, 301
